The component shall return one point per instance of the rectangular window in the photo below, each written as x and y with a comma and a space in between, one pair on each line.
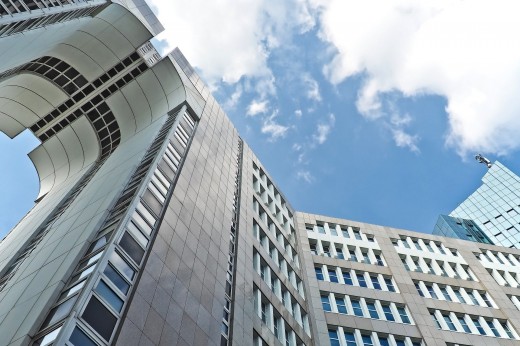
445, 293
321, 229
431, 291
388, 312
389, 284
121, 265
375, 282
449, 322
347, 278
350, 338
332, 275
79, 338
345, 233
339, 253
334, 338
367, 340
418, 287
505, 325
99, 318
493, 328
464, 325
356, 307
477, 324
357, 235
361, 280
325, 302
109, 296
372, 310
459, 296
403, 314
340, 303
131, 247
319, 273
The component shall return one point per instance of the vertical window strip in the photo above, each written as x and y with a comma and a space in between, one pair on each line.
113, 287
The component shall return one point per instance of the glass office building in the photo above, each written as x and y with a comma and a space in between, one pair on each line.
495, 206
156, 224
455, 227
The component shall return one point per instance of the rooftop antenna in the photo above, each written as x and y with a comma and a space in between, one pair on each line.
482, 159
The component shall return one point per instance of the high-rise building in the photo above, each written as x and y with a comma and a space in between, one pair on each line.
455, 227
156, 224
495, 206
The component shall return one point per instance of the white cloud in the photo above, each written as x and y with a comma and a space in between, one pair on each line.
235, 97
296, 147
465, 51
313, 89
405, 140
231, 39
272, 128
323, 130
305, 175
298, 113
257, 107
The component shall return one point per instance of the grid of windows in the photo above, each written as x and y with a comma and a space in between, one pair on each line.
274, 201
12, 7
437, 267
454, 294
347, 232
425, 245
279, 256
348, 252
285, 246
274, 320
354, 278
280, 289
364, 307
356, 337
473, 324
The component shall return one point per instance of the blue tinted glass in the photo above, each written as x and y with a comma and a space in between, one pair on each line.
109, 296
78, 338
117, 279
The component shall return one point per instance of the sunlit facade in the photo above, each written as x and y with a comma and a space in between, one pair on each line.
156, 224
495, 206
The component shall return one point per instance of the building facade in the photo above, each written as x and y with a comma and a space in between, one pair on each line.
495, 206
456, 227
155, 224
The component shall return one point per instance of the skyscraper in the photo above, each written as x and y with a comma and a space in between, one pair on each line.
495, 206
155, 224
455, 227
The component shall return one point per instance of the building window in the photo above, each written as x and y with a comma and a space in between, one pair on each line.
340, 303
372, 310
333, 277
325, 302
334, 338
319, 273
361, 280
356, 307
347, 278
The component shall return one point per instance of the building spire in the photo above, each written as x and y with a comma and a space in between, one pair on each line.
482, 159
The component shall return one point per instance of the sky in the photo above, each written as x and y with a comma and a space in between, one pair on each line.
366, 110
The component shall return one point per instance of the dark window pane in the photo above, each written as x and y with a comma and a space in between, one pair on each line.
109, 296
134, 250
99, 318
117, 279
78, 338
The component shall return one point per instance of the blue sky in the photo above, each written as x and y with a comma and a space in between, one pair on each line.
361, 114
